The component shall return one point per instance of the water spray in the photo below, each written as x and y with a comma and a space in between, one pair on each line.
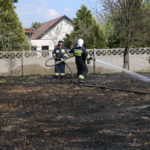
136, 75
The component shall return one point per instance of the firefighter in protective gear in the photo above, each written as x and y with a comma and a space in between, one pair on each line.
59, 54
81, 55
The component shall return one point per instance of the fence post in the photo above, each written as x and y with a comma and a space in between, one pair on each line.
94, 58
22, 72
11, 72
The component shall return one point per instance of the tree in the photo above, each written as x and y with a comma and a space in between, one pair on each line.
12, 36
35, 25
85, 27
113, 40
15, 1
144, 33
127, 18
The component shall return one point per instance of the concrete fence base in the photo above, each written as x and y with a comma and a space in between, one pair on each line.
20, 63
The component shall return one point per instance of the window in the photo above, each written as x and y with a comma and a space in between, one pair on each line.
45, 47
33, 48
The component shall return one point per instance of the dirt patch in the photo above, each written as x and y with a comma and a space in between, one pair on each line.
39, 112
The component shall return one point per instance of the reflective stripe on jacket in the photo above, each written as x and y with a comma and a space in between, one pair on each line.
60, 53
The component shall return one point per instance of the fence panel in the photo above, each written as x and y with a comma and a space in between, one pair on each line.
18, 63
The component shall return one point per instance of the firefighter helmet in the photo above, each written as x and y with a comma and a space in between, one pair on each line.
80, 43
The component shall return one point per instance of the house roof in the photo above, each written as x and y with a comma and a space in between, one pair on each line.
28, 30
47, 26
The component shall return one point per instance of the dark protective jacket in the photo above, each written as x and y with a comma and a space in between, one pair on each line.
60, 52
80, 54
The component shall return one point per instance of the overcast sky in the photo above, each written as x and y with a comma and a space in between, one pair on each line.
44, 10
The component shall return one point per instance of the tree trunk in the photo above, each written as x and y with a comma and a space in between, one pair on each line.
126, 58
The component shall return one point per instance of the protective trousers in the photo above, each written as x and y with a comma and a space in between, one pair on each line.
82, 69
60, 69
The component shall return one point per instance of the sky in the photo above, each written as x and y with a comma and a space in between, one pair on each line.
44, 10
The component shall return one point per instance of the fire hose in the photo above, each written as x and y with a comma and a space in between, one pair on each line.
52, 58
91, 85
113, 89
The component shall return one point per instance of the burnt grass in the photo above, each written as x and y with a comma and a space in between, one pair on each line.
42, 113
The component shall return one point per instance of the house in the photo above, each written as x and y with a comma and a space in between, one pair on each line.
49, 33
28, 33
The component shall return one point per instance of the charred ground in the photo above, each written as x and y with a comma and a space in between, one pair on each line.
39, 112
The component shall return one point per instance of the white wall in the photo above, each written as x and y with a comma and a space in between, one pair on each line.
40, 43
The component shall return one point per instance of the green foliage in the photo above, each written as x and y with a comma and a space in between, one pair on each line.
85, 27
35, 25
143, 35
113, 38
12, 36
128, 24
115, 41
14, 1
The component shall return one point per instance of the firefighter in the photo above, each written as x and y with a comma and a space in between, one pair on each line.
81, 55
59, 54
